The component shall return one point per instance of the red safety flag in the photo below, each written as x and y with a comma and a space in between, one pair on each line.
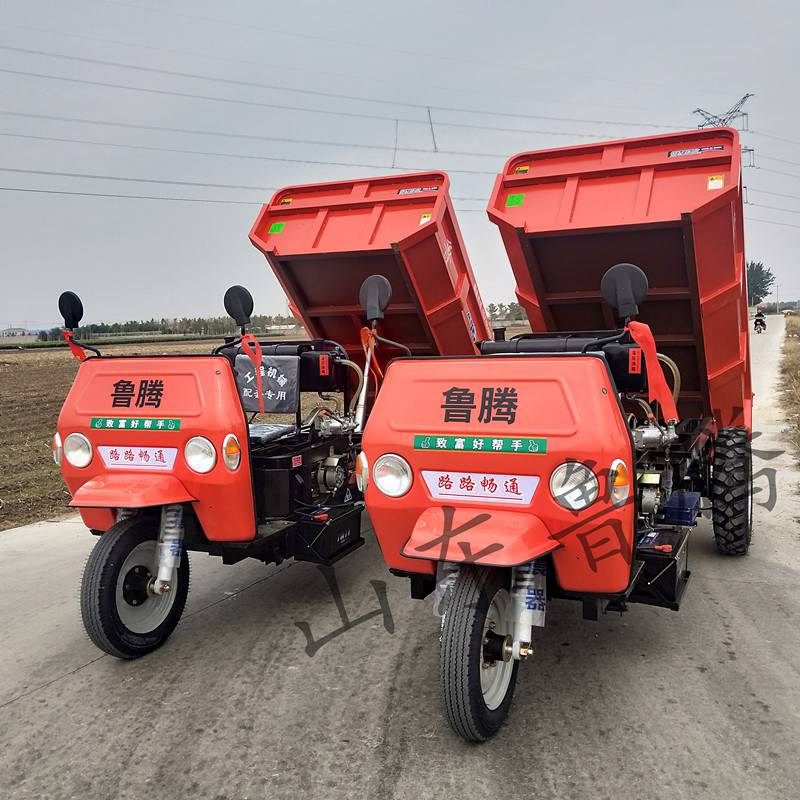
75, 348
659, 390
252, 349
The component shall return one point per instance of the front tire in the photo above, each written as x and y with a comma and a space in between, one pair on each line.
477, 692
732, 491
121, 613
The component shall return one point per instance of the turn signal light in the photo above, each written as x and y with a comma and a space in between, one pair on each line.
231, 452
362, 472
619, 482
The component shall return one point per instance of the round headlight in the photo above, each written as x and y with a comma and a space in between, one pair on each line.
231, 452
78, 450
200, 454
392, 475
57, 449
574, 486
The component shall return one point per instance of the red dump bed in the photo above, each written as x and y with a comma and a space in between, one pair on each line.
322, 240
670, 204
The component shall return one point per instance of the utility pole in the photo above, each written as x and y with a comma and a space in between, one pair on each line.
710, 120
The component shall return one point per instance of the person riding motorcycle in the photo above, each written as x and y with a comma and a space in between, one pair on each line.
760, 322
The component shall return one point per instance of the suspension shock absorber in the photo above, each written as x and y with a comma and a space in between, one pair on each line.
529, 599
170, 544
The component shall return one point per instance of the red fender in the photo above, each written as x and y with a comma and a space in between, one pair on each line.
130, 490
478, 536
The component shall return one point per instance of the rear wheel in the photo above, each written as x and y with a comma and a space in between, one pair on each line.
121, 613
732, 491
477, 682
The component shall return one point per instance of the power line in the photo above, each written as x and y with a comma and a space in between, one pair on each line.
130, 196
264, 64
780, 160
317, 93
771, 222
92, 176
291, 140
776, 208
776, 194
778, 172
774, 136
158, 149
161, 197
282, 107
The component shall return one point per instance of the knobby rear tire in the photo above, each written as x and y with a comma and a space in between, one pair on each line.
732, 491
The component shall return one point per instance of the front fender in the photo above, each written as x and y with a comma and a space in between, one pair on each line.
130, 490
478, 536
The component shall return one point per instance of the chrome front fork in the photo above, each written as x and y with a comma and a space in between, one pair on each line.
170, 545
529, 601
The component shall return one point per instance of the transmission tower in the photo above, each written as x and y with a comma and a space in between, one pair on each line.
710, 120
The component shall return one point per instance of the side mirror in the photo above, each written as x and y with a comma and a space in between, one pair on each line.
239, 305
71, 309
375, 294
623, 287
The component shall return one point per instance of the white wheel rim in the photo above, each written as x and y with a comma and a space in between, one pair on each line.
146, 616
496, 676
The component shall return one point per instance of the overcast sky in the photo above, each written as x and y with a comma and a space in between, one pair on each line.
624, 68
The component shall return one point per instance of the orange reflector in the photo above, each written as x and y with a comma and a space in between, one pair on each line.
620, 476
231, 452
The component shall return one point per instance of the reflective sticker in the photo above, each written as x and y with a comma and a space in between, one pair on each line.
276, 227
481, 444
132, 457
286, 201
136, 423
522, 169
481, 486
515, 199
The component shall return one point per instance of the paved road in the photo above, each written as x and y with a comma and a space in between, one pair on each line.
704, 703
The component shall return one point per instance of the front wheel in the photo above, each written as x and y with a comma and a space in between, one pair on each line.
121, 613
477, 673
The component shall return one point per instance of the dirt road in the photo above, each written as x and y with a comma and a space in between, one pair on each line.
653, 704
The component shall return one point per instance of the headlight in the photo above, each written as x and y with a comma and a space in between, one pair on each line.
57, 449
78, 450
574, 486
392, 475
231, 452
619, 482
200, 454
362, 472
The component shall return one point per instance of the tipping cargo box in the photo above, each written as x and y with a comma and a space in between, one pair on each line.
323, 240
670, 204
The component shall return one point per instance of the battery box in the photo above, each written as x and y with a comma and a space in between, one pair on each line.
663, 553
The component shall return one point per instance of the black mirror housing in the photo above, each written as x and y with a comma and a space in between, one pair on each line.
375, 295
624, 287
239, 305
71, 309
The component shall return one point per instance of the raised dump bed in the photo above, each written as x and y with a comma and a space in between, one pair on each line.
322, 240
670, 204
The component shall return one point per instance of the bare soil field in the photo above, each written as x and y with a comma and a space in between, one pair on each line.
33, 385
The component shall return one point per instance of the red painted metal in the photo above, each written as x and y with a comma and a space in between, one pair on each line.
323, 240
567, 400
200, 391
670, 204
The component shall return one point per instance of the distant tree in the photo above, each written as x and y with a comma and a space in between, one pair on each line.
759, 282
491, 311
515, 312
